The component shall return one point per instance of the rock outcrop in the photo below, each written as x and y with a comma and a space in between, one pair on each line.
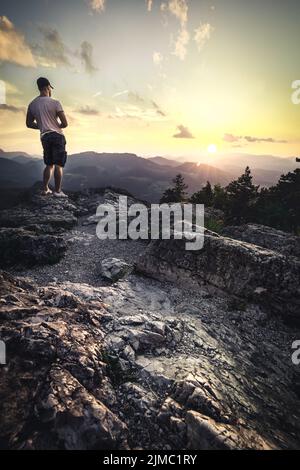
19, 246
192, 357
266, 237
53, 387
240, 268
32, 232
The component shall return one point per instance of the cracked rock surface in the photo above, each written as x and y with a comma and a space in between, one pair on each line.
160, 362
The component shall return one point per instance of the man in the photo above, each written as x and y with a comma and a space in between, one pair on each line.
47, 115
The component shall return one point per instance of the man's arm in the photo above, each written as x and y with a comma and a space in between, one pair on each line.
63, 120
30, 120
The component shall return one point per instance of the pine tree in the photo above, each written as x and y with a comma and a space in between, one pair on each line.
204, 196
279, 205
241, 196
177, 193
219, 197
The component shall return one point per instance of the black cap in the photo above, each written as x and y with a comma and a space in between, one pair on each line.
43, 82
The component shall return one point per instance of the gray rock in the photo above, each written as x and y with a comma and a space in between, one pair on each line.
115, 269
237, 267
30, 232
266, 237
206, 434
19, 246
53, 368
75, 417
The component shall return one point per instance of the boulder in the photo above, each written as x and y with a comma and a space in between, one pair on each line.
30, 232
266, 237
115, 269
19, 246
240, 268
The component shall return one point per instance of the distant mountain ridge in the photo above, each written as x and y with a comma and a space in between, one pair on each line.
145, 178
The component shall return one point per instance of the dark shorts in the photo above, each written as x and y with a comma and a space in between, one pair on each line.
54, 145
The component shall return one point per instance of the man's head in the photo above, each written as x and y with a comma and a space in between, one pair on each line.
44, 85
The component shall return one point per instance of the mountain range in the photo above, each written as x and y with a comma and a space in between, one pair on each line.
145, 178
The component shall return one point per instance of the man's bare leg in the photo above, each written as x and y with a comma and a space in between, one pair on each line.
46, 178
58, 174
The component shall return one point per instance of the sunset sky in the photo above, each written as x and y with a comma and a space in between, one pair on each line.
172, 77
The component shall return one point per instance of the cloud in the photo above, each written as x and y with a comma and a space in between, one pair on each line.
120, 93
134, 112
264, 139
53, 52
202, 34
135, 97
157, 58
136, 106
13, 46
248, 138
13, 109
97, 5
179, 9
86, 54
158, 110
181, 44
12, 89
183, 133
87, 110
149, 4
231, 138
120, 114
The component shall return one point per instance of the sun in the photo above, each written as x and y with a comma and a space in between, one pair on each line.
212, 148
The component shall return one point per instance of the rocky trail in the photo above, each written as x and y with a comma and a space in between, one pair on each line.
165, 357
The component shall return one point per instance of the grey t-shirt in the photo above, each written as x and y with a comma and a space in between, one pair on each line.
44, 110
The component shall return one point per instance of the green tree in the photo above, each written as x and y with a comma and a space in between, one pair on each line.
279, 206
219, 197
177, 193
241, 196
204, 196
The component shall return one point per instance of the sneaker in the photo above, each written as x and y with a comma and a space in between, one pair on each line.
60, 194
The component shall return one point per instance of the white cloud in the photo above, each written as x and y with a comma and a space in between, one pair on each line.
179, 8
203, 34
157, 58
97, 5
11, 89
13, 46
150, 114
119, 93
181, 43
149, 4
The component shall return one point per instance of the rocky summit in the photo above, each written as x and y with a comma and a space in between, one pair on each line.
124, 344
